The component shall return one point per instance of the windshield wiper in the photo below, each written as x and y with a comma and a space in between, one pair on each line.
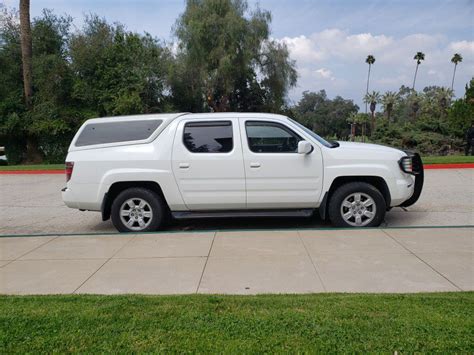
334, 144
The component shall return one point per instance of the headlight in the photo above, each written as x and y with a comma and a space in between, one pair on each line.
406, 164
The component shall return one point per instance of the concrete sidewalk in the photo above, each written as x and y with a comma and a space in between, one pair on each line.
241, 262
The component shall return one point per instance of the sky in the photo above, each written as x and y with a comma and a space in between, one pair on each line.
330, 39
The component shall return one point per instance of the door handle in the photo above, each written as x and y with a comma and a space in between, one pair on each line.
184, 165
255, 165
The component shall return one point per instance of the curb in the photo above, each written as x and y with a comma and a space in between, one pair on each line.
31, 172
44, 172
450, 166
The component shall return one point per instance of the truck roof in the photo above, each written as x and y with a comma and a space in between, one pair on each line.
167, 117
135, 129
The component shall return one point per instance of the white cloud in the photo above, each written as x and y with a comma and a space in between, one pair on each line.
465, 47
334, 60
324, 73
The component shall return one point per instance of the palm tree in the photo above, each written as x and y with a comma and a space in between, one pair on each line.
389, 99
352, 120
369, 60
419, 56
373, 99
457, 58
444, 96
414, 99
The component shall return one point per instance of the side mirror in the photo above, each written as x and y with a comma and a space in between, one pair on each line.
304, 147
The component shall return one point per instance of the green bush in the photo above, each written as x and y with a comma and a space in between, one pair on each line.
55, 148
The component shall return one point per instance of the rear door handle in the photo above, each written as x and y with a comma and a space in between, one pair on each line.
184, 165
255, 165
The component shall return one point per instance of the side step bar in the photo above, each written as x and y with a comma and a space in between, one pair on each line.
242, 213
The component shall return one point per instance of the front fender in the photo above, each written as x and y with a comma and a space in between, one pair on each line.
376, 170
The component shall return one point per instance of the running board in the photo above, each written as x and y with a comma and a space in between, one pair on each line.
242, 214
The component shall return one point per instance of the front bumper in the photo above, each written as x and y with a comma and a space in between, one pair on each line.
418, 172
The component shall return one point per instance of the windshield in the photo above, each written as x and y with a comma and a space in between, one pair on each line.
312, 134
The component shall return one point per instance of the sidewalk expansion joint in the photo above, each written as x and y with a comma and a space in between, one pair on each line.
205, 263
312, 261
101, 266
423, 261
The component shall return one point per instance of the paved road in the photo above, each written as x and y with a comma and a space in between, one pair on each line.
250, 262
31, 204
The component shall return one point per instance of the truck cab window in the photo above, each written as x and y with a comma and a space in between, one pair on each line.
270, 137
208, 136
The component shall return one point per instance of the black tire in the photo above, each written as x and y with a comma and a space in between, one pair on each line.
342, 192
154, 201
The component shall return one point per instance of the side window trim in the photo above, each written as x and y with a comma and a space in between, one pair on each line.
274, 124
210, 123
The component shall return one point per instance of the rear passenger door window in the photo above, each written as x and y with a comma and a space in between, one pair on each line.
271, 137
208, 137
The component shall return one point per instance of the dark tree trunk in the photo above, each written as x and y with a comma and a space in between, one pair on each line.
26, 50
372, 123
33, 155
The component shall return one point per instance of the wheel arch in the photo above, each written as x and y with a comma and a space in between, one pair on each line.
118, 187
377, 181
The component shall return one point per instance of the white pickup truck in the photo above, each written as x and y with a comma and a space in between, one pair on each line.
141, 170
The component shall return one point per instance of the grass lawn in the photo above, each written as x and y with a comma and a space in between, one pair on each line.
439, 322
32, 167
448, 159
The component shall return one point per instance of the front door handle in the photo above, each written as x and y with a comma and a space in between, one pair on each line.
255, 165
184, 165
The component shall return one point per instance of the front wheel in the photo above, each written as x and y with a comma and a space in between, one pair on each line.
357, 204
137, 210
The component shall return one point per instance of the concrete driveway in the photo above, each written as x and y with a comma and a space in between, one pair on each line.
241, 262
31, 204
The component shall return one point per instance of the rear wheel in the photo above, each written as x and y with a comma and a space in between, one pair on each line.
137, 210
357, 204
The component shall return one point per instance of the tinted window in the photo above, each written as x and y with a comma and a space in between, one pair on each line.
208, 137
269, 137
114, 132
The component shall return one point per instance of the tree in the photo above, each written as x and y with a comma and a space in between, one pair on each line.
419, 56
389, 99
33, 155
457, 58
444, 97
325, 116
26, 50
352, 120
461, 112
370, 60
228, 58
373, 99
356, 119
118, 72
414, 102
